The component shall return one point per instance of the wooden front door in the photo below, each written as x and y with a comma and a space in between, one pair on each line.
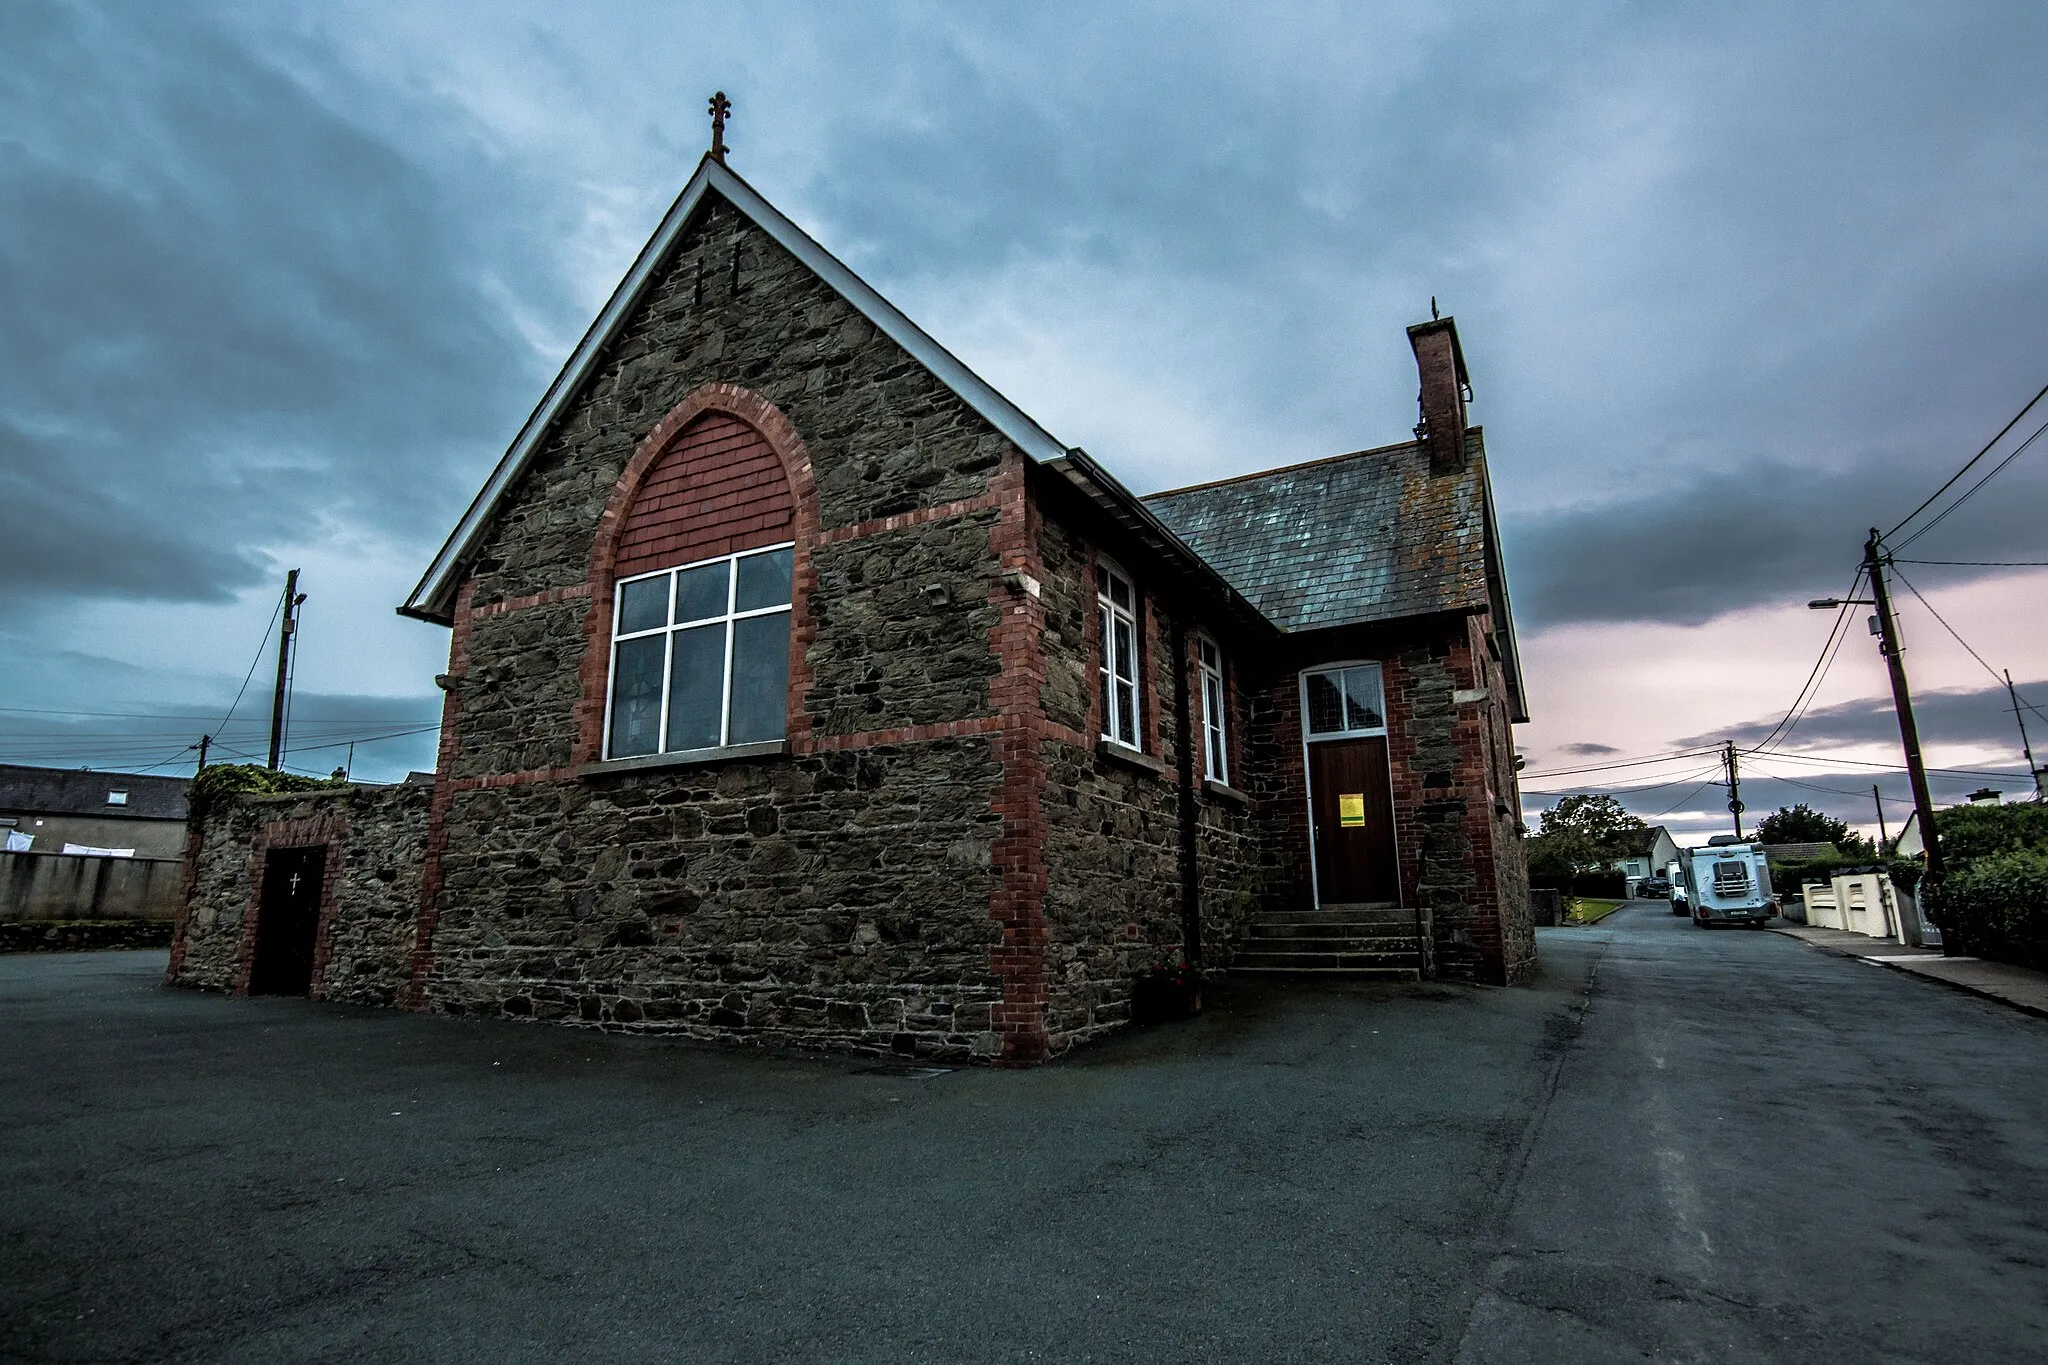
288, 921
1351, 806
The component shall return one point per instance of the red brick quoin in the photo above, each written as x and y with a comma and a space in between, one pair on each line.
702, 483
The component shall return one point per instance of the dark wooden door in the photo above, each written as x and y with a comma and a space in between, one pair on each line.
288, 921
1351, 803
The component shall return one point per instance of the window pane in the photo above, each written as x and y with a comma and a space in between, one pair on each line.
764, 581
1325, 704
696, 684
636, 695
760, 678
1126, 713
1120, 593
1126, 660
1206, 652
700, 592
643, 605
1363, 708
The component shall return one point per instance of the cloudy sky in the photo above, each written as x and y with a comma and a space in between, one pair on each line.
1736, 282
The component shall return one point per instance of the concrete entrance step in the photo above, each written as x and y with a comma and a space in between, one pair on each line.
1343, 914
1314, 932
1346, 959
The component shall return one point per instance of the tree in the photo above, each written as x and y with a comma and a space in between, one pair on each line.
1583, 833
1802, 824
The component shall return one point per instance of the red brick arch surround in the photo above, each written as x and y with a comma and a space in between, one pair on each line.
767, 419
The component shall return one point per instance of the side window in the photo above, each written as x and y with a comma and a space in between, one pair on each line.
1117, 602
700, 656
1215, 738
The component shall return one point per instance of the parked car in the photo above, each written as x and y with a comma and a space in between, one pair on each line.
1656, 887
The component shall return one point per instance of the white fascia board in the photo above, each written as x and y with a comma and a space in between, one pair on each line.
433, 599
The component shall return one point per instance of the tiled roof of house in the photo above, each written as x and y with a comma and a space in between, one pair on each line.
80, 791
1788, 852
1362, 537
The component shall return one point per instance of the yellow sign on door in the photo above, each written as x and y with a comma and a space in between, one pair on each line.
1351, 809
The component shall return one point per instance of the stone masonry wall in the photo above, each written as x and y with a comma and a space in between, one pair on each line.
374, 835
1113, 852
837, 900
837, 896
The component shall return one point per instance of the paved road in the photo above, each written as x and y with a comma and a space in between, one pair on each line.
1666, 1149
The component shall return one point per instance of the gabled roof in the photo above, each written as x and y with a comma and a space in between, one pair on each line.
1362, 537
434, 598
79, 791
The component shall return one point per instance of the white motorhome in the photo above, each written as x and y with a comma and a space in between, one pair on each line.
1724, 883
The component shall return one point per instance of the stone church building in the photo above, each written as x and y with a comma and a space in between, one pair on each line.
803, 689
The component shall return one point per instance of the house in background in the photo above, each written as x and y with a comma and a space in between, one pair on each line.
136, 815
79, 845
1653, 851
802, 688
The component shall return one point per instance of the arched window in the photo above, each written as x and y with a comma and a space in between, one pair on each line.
700, 624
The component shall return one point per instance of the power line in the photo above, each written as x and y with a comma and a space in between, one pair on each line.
1972, 460
1995, 675
1887, 767
1974, 488
252, 666
1820, 665
1980, 563
1618, 763
1619, 791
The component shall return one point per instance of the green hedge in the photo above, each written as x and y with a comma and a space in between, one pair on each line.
1997, 907
249, 779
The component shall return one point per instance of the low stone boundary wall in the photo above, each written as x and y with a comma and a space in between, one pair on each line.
77, 936
79, 886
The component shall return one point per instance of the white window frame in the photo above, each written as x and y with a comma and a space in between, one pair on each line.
1215, 710
1108, 613
671, 627
1309, 736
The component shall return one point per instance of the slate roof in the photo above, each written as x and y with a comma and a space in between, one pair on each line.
77, 791
1362, 537
1644, 844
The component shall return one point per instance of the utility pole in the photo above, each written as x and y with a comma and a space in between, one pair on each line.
287, 628
1902, 701
1735, 806
1883, 835
2033, 773
205, 743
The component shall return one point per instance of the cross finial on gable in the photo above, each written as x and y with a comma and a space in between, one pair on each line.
720, 107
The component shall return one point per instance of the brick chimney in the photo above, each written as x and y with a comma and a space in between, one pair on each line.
1441, 363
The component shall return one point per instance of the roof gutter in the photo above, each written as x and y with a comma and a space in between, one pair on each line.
1102, 488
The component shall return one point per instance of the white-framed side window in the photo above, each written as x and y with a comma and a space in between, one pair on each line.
700, 656
1344, 701
1117, 603
1215, 732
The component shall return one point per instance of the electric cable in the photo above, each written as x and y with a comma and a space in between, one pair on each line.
252, 665
1820, 664
1995, 675
1971, 461
1974, 488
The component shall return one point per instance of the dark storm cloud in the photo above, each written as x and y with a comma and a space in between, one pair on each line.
235, 316
1980, 715
1687, 547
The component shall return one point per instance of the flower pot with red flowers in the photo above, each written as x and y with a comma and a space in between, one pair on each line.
1166, 991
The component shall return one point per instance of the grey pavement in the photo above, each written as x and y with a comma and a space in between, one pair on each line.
2020, 987
1676, 1146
